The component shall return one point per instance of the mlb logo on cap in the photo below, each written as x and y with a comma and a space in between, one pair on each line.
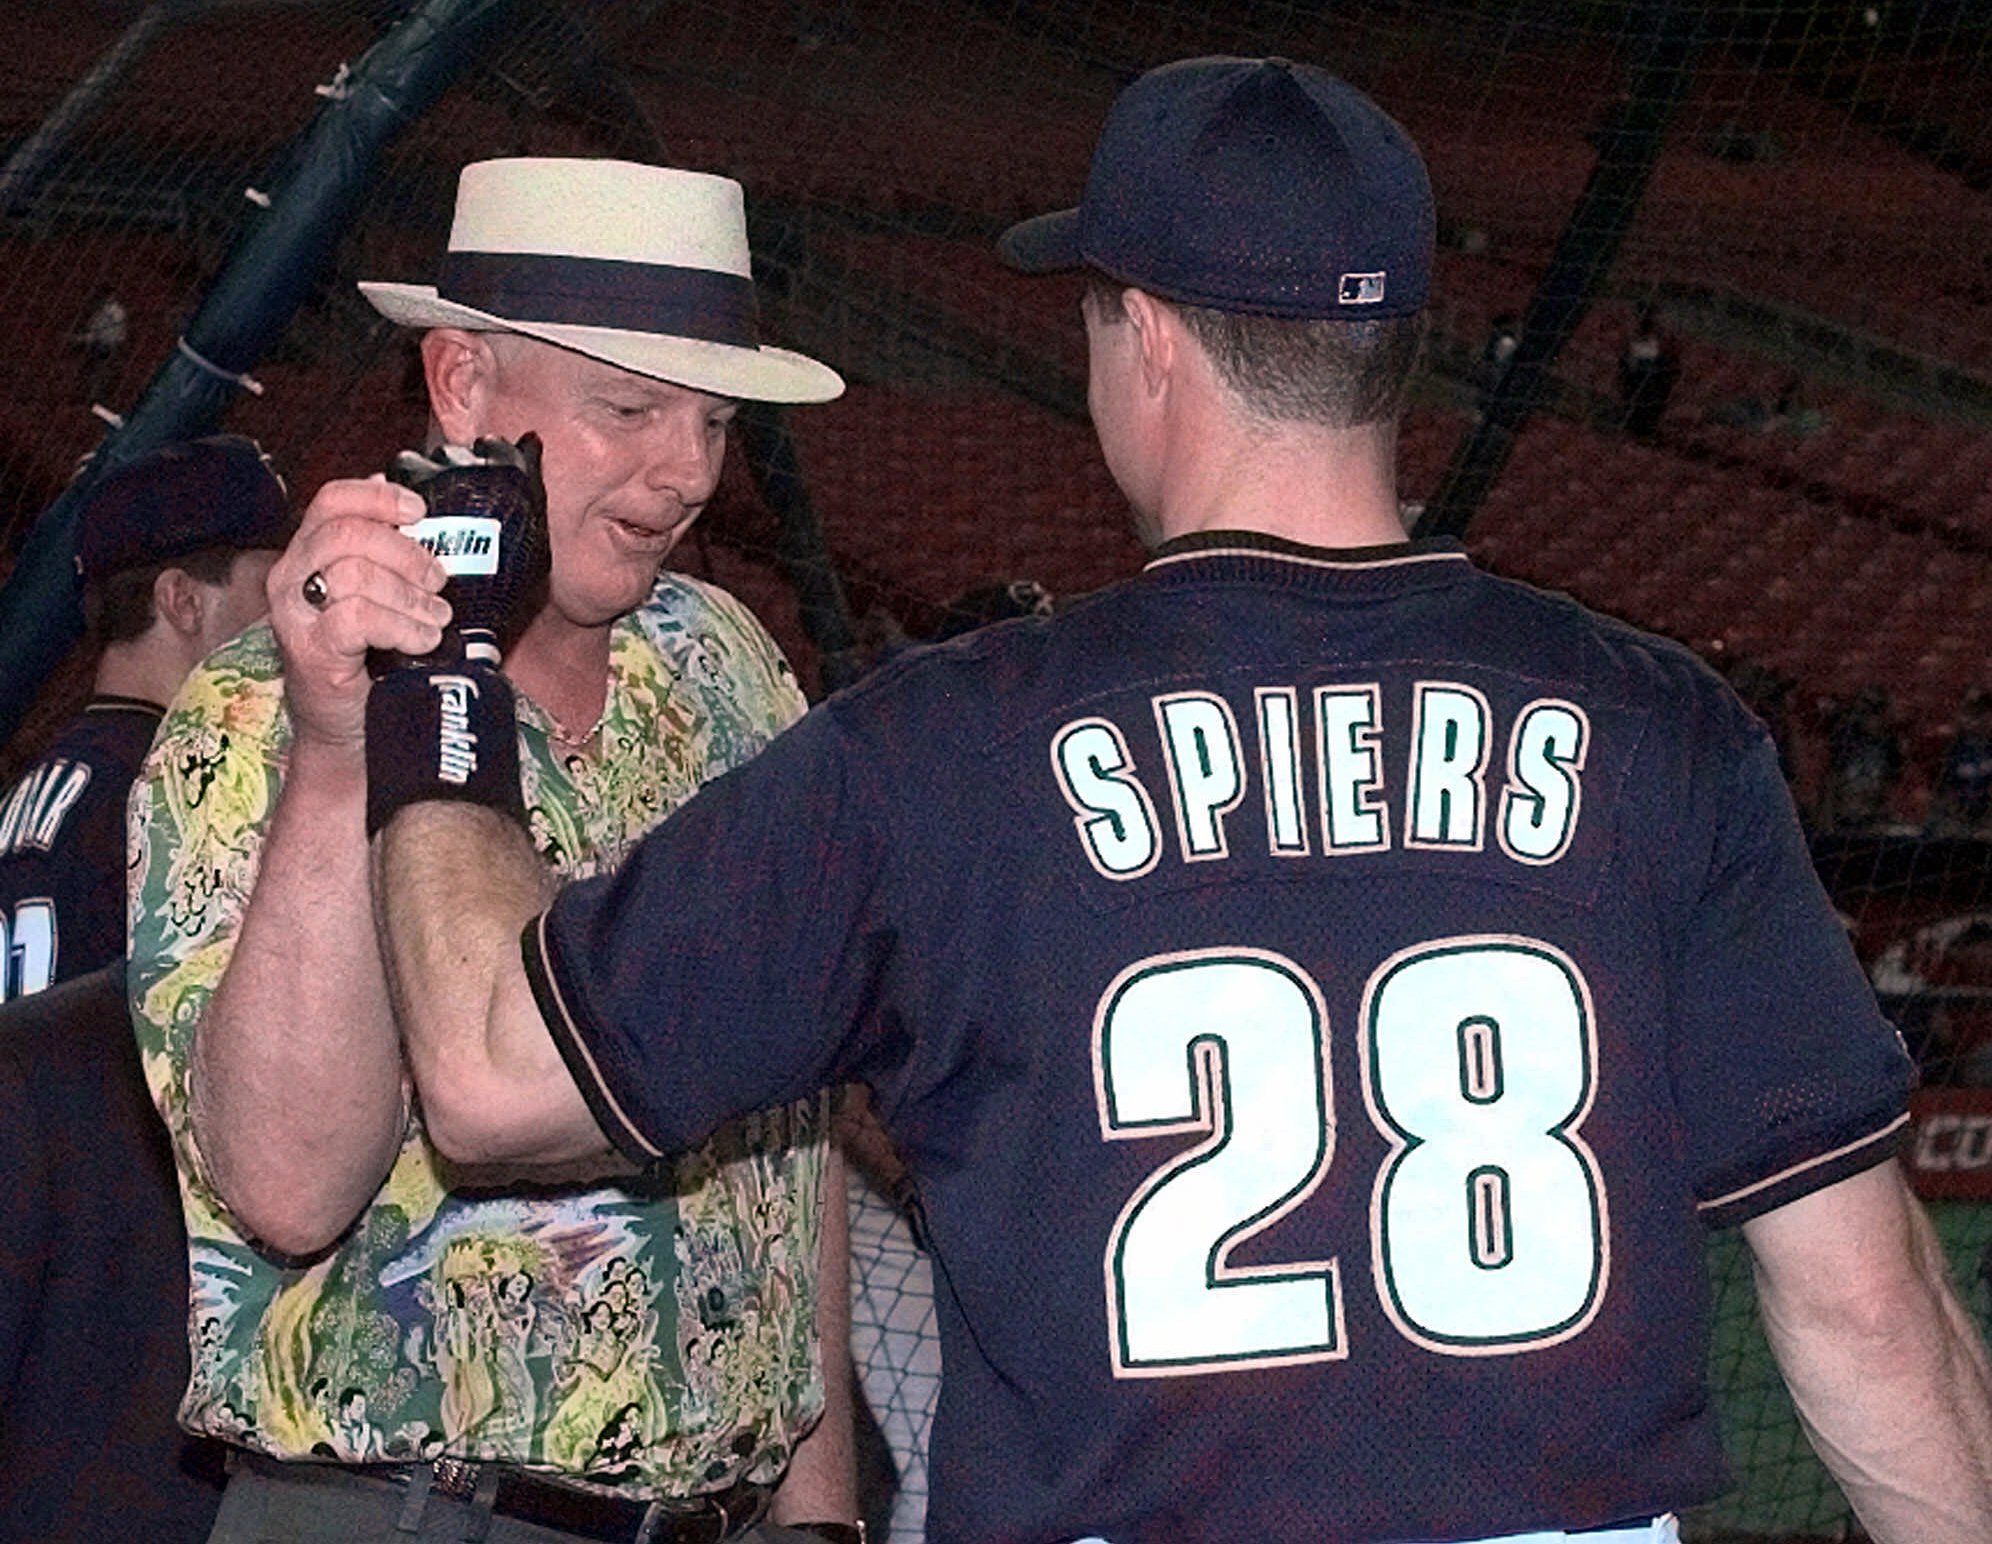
1361, 289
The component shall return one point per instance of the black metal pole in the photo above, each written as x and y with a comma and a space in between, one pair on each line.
1665, 34
280, 253
778, 236
30, 162
800, 549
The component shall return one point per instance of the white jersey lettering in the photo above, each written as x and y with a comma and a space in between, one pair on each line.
39, 804
1116, 820
1539, 806
1279, 755
1444, 805
1206, 772
1449, 742
1348, 722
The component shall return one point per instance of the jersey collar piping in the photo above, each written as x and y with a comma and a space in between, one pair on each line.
1258, 555
110, 702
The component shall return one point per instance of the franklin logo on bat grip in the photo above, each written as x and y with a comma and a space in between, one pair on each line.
464, 544
456, 741
442, 733
486, 525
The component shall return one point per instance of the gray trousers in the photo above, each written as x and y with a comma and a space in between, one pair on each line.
266, 1505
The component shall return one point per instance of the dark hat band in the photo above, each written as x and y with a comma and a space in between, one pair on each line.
605, 292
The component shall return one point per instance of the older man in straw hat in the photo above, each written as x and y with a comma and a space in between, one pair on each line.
397, 1345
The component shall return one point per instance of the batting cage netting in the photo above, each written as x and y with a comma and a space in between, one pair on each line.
1713, 302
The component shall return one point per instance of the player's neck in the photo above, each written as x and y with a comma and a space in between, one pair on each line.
143, 668
1322, 488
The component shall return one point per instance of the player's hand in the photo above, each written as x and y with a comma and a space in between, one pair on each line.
369, 587
485, 521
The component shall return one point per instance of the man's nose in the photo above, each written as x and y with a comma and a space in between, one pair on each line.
684, 460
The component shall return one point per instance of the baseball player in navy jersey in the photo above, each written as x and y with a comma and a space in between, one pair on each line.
172, 551
1325, 993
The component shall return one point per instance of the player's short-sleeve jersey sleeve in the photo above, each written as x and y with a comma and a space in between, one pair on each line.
753, 913
1787, 1076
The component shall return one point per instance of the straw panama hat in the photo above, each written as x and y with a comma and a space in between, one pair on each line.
643, 267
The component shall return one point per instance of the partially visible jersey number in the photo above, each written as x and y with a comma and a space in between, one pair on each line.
1488, 1215
27, 949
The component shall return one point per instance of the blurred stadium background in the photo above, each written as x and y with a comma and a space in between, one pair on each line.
1795, 191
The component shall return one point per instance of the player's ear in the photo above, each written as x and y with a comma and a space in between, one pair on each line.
180, 601
1157, 330
461, 369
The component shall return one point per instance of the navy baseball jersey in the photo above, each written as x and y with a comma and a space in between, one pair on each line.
1325, 997
62, 848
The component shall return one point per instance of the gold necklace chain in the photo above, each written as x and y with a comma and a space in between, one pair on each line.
560, 734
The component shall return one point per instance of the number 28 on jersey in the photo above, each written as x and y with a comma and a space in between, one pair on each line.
1488, 1216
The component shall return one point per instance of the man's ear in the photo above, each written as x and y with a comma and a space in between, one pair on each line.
180, 601
1156, 328
460, 368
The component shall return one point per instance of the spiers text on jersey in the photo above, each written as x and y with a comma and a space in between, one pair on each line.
1453, 795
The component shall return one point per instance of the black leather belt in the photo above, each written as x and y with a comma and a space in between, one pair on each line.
526, 1497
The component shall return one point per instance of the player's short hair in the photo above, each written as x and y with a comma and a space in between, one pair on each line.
1328, 372
118, 607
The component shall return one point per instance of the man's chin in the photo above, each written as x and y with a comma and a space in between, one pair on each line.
601, 606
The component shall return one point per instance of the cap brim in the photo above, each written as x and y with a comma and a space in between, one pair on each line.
724, 369
1045, 244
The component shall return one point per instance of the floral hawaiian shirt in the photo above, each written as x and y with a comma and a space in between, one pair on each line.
658, 1337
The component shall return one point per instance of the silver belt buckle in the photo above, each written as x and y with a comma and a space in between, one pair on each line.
455, 1478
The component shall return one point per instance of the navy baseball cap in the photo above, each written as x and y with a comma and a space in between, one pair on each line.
1255, 185
220, 491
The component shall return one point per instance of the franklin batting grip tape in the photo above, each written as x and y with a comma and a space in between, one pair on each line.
442, 734
486, 524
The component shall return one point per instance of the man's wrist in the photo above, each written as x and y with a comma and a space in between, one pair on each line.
448, 733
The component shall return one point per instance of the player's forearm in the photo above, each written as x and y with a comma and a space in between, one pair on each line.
821, 1485
1917, 1464
298, 1094
454, 884
1892, 1385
